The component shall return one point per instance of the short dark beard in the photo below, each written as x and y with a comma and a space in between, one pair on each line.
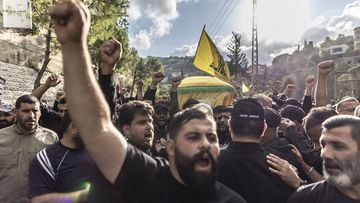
5, 123
78, 141
221, 128
198, 182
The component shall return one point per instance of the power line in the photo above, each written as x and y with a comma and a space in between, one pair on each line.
232, 9
223, 14
220, 11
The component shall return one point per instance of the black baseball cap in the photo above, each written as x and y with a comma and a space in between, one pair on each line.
293, 113
272, 117
247, 109
161, 105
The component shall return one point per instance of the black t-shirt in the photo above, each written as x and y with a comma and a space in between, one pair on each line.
59, 169
159, 132
50, 119
281, 148
146, 179
243, 168
102, 191
320, 192
224, 137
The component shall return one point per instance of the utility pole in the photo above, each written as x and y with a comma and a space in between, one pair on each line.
254, 53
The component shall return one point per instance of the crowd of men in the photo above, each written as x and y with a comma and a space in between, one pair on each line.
97, 144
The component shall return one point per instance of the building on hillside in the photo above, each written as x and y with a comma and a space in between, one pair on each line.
335, 50
344, 50
357, 39
309, 49
343, 46
180, 66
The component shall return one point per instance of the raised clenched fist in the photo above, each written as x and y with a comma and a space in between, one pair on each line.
310, 81
52, 81
110, 52
158, 77
326, 67
71, 21
139, 84
276, 86
176, 81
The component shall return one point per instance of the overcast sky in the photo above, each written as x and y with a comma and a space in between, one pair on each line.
173, 27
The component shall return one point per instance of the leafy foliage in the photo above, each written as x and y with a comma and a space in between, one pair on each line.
108, 21
238, 64
146, 67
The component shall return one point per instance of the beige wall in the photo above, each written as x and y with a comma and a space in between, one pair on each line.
20, 81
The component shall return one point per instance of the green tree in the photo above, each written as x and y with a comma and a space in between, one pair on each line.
154, 64
238, 64
144, 69
108, 20
42, 26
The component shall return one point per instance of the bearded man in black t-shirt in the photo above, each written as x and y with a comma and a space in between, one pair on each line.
193, 145
62, 171
340, 143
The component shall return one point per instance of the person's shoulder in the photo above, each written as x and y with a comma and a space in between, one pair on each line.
5, 134
161, 161
313, 187
46, 135
308, 192
54, 149
133, 152
226, 150
228, 154
43, 129
52, 154
7, 129
228, 195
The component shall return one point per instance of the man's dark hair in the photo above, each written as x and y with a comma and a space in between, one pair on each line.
317, 116
247, 128
221, 109
293, 113
190, 103
183, 117
344, 120
28, 98
128, 111
65, 122
62, 101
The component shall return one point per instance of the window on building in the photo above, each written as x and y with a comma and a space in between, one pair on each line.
337, 50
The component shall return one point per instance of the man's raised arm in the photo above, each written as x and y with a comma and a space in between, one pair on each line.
86, 103
324, 68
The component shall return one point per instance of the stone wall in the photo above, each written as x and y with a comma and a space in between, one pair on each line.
20, 81
18, 47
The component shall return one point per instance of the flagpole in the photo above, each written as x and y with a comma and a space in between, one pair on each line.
197, 48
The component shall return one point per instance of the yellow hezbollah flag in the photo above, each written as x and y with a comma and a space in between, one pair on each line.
209, 59
244, 88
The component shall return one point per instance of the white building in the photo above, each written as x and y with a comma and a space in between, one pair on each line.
357, 39
334, 49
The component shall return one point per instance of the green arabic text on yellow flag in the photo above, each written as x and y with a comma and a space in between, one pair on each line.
209, 59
